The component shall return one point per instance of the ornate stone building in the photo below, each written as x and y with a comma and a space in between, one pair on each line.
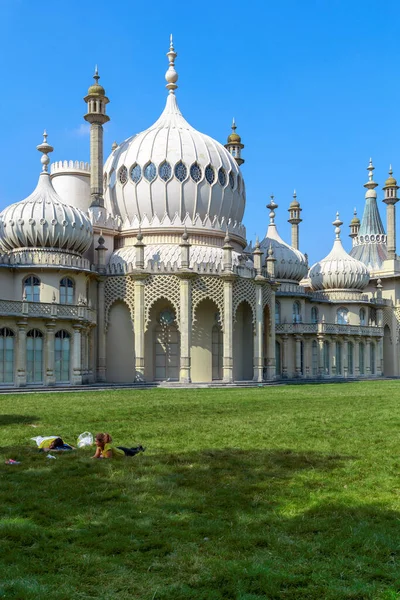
138, 269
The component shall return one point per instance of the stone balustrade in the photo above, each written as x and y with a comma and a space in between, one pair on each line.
43, 310
329, 328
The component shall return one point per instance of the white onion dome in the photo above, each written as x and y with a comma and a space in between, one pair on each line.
172, 175
43, 220
338, 270
291, 264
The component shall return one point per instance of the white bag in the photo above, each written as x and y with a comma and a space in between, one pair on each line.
85, 439
39, 439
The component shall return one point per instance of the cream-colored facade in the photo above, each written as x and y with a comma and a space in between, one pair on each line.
138, 269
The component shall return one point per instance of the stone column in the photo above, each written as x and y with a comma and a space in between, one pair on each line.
345, 357
271, 362
50, 357
185, 326
258, 365
285, 357
139, 327
391, 230
321, 368
228, 328
368, 357
21, 353
379, 356
333, 356
101, 335
76, 356
356, 358
298, 339
307, 359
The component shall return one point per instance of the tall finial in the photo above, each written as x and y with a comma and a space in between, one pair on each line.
272, 206
45, 148
371, 169
233, 125
171, 75
371, 184
96, 75
337, 223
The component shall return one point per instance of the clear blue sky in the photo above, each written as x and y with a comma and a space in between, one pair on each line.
313, 85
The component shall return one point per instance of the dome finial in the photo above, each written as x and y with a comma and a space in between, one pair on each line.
96, 75
45, 148
171, 75
272, 206
233, 126
337, 223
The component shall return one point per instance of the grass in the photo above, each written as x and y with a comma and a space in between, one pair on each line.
268, 493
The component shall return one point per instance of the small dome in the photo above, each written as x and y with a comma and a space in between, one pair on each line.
390, 181
338, 270
96, 90
43, 220
234, 138
290, 264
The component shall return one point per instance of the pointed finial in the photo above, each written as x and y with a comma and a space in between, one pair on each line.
272, 206
257, 243
337, 223
139, 236
185, 235
270, 250
45, 148
114, 146
371, 169
233, 124
390, 170
96, 75
171, 75
227, 238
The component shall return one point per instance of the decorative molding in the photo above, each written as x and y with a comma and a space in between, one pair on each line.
211, 288
157, 287
118, 288
244, 290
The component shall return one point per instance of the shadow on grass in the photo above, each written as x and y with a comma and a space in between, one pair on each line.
6, 420
208, 525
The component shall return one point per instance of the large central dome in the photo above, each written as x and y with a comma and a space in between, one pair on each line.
171, 175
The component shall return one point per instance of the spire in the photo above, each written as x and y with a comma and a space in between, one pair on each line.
272, 206
171, 75
45, 148
337, 223
234, 144
371, 184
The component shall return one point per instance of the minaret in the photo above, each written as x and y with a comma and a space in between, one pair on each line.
234, 145
390, 188
354, 225
294, 213
96, 101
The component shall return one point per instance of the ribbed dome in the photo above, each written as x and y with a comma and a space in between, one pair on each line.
172, 172
338, 270
290, 264
43, 220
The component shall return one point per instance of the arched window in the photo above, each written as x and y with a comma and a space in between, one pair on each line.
372, 316
166, 347
314, 315
350, 358
362, 316
66, 291
277, 312
314, 358
296, 312
34, 356
217, 352
62, 348
338, 358
326, 358
342, 316
32, 289
278, 363
372, 358
6, 355
362, 358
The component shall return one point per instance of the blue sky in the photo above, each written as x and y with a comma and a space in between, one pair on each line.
313, 85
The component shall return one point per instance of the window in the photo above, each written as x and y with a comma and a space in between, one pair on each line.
362, 316
222, 177
165, 171
372, 316
6, 355
296, 312
62, 345
231, 180
180, 171
195, 172
217, 352
326, 358
150, 172
314, 315
66, 291
136, 173
314, 358
210, 175
338, 358
34, 356
342, 316
123, 175
372, 359
277, 313
32, 289
350, 358
362, 358
278, 363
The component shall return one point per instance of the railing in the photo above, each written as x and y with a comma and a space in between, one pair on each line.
45, 258
332, 328
45, 310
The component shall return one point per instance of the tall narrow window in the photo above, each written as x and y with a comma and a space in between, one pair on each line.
34, 356
296, 312
362, 358
62, 349
350, 358
326, 358
342, 316
362, 316
277, 312
6, 355
66, 291
338, 358
372, 358
314, 315
314, 358
32, 289
278, 363
217, 352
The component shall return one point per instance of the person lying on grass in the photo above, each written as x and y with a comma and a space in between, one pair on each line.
106, 450
55, 443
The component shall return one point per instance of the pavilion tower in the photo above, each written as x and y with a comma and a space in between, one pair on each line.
234, 145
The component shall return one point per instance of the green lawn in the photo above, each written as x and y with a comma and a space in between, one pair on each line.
290, 492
